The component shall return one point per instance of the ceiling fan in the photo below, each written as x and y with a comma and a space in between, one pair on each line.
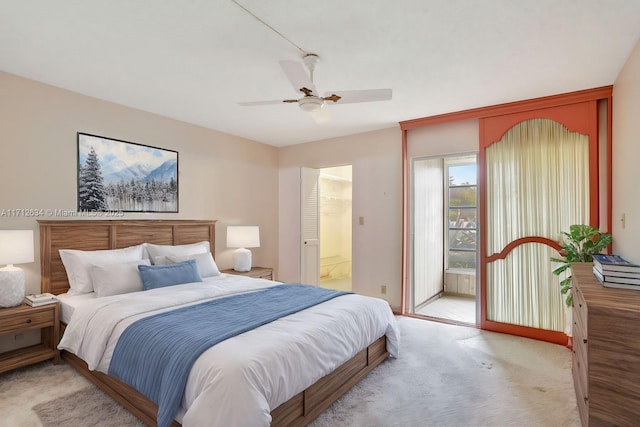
312, 102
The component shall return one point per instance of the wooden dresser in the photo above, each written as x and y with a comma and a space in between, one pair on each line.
606, 350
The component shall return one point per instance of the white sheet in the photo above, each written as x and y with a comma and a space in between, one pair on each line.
239, 381
68, 304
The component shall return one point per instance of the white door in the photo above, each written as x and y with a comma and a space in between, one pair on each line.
310, 221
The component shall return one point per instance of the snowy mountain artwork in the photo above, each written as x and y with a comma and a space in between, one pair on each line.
116, 175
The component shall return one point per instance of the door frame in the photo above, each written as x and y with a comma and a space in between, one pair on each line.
411, 300
595, 94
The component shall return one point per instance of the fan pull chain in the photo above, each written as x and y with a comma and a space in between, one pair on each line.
270, 27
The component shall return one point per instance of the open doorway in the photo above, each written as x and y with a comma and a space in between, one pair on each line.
444, 229
335, 208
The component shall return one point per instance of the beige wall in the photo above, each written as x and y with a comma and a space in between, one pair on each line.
221, 177
626, 155
377, 196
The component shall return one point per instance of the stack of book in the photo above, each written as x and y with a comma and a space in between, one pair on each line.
613, 271
40, 299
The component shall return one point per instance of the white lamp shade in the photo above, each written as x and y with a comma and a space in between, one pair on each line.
16, 246
245, 236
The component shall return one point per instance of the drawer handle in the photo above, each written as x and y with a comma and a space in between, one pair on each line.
584, 341
28, 320
586, 399
580, 304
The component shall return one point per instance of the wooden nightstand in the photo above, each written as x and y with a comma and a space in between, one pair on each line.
24, 318
256, 272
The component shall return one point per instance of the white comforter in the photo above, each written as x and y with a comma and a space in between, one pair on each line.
239, 381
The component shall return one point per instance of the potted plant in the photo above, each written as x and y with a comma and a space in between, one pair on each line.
580, 244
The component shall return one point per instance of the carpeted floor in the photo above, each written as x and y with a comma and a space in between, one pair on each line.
446, 376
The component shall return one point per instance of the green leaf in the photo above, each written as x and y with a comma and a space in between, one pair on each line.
561, 269
580, 243
569, 300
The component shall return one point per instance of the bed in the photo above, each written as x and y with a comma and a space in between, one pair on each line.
286, 402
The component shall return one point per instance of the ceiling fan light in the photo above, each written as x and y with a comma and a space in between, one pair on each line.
310, 103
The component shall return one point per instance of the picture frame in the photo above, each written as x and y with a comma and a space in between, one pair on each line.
122, 176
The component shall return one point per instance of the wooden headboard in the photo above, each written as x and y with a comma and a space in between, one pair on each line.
88, 235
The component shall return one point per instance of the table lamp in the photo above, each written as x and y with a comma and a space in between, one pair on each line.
243, 237
16, 247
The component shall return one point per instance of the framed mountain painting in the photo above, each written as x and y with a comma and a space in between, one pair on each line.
121, 176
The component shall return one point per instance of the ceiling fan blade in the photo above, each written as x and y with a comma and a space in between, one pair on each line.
298, 76
254, 103
322, 115
353, 96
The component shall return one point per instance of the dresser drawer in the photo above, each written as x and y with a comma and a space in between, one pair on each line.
23, 321
579, 310
582, 398
579, 371
581, 359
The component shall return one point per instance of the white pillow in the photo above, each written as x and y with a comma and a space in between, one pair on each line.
177, 250
78, 263
120, 278
206, 265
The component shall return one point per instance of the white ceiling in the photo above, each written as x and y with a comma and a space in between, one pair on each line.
194, 60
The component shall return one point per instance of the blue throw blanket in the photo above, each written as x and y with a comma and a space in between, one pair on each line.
155, 354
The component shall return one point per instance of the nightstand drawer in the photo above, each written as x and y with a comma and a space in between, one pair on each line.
36, 320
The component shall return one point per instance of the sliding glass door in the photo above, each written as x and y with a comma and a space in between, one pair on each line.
444, 222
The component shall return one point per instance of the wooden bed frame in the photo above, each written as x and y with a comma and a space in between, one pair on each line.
112, 234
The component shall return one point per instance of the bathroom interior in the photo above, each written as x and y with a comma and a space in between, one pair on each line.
335, 187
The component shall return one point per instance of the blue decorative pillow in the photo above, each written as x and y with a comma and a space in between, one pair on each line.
159, 276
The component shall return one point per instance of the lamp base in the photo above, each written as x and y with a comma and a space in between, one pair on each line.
242, 260
11, 286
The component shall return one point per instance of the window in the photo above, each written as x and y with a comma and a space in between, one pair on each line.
462, 209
